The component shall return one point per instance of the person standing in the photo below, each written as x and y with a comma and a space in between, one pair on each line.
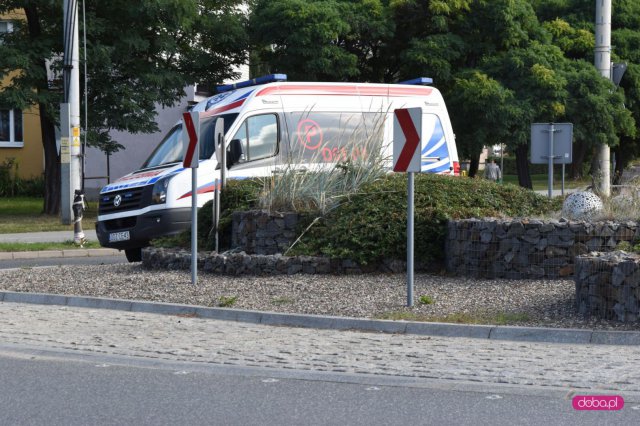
492, 171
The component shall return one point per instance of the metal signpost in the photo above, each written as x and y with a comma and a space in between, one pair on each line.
552, 143
407, 131
191, 158
220, 153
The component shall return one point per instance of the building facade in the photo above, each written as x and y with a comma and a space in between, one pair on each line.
20, 133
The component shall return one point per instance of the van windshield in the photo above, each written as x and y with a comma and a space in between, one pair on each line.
170, 149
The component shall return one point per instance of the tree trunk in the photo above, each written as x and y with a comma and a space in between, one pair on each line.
522, 166
47, 126
51, 165
474, 165
579, 152
622, 161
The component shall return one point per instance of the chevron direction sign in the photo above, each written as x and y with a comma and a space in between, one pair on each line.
192, 125
407, 136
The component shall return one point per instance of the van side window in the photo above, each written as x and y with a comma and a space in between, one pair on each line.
258, 136
328, 137
207, 133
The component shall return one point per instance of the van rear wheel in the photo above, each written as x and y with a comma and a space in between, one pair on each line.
134, 255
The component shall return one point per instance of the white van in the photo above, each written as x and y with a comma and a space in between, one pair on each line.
267, 122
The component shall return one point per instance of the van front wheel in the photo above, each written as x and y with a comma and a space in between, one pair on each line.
134, 255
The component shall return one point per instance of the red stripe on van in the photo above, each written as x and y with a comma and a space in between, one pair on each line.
223, 108
345, 90
202, 190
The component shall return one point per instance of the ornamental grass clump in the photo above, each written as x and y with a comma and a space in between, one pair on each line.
316, 186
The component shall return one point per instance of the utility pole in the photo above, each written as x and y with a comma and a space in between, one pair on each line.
603, 65
70, 148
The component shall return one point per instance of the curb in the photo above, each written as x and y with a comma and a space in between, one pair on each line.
510, 333
59, 253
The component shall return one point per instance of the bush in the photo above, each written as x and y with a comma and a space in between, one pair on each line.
239, 195
372, 226
11, 185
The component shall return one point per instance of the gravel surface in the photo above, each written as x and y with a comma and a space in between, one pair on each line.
548, 303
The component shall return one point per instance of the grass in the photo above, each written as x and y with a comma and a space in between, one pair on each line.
495, 318
23, 214
324, 184
425, 300
227, 301
278, 301
67, 245
541, 182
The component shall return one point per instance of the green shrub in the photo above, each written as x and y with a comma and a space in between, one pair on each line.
238, 195
12, 185
372, 225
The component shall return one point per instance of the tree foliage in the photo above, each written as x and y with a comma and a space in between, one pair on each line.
501, 64
139, 54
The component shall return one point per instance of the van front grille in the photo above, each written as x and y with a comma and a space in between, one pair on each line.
113, 202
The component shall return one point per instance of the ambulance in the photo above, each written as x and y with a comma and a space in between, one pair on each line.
268, 123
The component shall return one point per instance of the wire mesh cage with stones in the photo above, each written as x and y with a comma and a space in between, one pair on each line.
582, 205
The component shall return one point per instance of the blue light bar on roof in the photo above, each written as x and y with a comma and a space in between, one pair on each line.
420, 81
254, 82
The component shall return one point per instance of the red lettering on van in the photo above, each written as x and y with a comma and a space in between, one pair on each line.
310, 134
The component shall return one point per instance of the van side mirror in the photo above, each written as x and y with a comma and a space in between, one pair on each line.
234, 153
218, 138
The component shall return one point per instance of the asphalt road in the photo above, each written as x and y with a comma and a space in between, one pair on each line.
40, 387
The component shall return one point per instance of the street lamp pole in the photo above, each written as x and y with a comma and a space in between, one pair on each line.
70, 147
603, 65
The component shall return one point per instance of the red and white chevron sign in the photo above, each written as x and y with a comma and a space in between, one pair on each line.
407, 135
192, 125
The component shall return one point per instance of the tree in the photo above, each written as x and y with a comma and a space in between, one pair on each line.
596, 110
302, 39
600, 111
24, 53
501, 64
139, 54
475, 94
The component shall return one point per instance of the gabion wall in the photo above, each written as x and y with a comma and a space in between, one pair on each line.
523, 248
607, 285
259, 232
241, 263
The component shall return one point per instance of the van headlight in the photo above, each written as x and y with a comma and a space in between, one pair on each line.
159, 192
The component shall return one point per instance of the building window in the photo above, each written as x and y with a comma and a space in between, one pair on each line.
11, 135
5, 27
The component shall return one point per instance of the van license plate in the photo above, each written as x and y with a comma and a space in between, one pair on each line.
119, 236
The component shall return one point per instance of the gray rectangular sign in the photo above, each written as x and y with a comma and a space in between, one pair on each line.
562, 143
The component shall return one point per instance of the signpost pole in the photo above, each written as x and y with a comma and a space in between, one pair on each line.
407, 157
216, 213
190, 159
410, 220
551, 131
194, 225
221, 160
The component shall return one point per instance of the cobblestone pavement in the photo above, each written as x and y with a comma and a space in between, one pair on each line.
175, 338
